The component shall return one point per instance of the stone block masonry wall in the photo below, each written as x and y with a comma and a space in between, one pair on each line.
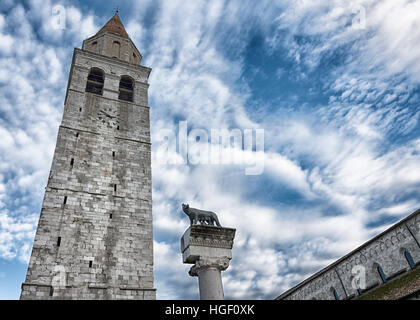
95, 238
104, 44
387, 251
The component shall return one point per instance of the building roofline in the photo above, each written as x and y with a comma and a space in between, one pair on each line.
334, 264
115, 25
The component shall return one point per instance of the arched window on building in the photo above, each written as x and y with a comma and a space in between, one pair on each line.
336, 295
95, 81
381, 274
409, 259
126, 88
116, 47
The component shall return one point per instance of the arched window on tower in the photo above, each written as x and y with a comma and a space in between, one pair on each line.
409, 259
381, 274
95, 81
116, 47
126, 88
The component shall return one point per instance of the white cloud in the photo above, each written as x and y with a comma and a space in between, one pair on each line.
6, 43
16, 236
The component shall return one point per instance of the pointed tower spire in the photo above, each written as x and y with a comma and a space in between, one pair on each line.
113, 41
114, 25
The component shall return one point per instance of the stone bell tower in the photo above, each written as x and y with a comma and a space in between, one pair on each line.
94, 238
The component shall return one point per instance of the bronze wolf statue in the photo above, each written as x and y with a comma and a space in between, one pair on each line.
200, 216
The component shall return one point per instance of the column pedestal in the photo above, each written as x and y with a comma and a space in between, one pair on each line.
209, 248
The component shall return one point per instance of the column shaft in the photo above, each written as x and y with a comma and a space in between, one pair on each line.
210, 284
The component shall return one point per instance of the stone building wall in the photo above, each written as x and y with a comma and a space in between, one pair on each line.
113, 46
387, 251
94, 238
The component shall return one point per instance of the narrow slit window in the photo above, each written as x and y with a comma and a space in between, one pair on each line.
113, 154
381, 274
95, 81
94, 46
409, 259
77, 134
65, 200
115, 187
118, 127
126, 89
336, 295
72, 162
80, 109
116, 48
58, 241
90, 264
110, 215
134, 58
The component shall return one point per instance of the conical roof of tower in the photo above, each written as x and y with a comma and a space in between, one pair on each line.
114, 25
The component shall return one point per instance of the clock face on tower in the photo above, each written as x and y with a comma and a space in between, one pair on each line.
109, 117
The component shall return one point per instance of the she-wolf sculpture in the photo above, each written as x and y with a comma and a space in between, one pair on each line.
200, 216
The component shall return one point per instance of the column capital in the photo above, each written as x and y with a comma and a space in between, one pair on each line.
206, 241
221, 264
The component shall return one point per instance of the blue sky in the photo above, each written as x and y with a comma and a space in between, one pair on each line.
334, 86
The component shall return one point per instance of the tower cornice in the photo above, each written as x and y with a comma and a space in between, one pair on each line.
114, 61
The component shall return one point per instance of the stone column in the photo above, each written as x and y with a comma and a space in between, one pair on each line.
209, 248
